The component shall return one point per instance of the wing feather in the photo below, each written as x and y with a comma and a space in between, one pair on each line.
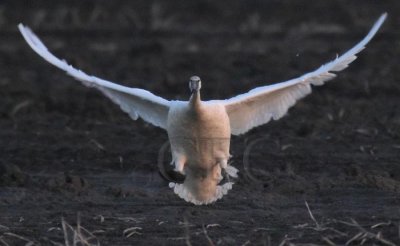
136, 102
260, 105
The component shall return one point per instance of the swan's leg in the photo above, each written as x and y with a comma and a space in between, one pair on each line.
223, 163
180, 164
217, 173
169, 173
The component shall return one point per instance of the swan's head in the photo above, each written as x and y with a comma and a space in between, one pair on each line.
194, 84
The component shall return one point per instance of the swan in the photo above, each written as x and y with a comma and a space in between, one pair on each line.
199, 131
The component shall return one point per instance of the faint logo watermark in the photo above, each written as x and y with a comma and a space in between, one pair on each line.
210, 147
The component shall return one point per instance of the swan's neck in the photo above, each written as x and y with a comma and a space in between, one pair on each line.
195, 100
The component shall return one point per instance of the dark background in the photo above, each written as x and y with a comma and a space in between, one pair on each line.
66, 151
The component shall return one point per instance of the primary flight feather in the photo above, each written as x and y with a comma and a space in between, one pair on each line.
199, 131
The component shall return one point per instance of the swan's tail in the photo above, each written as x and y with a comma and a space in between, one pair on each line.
184, 192
199, 189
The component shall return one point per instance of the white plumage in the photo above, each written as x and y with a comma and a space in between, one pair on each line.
199, 131
272, 101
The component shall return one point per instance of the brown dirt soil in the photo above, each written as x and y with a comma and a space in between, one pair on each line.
69, 156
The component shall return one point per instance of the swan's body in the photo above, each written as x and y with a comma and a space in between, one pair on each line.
199, 136
199, 131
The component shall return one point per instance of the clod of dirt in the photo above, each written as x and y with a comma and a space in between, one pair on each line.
305, 130
125, 192
381, 182
290, 185
228, 240
68, 182
353, 171
378, 179
11, 175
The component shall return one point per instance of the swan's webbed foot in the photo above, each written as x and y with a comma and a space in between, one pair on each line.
230, 170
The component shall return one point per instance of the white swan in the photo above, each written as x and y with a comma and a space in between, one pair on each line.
199, 131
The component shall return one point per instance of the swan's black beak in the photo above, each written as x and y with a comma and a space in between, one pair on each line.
194, 90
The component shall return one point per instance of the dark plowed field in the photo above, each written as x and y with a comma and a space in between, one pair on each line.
72, 163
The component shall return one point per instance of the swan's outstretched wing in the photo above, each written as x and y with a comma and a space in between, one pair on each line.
135, 102
259, 105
